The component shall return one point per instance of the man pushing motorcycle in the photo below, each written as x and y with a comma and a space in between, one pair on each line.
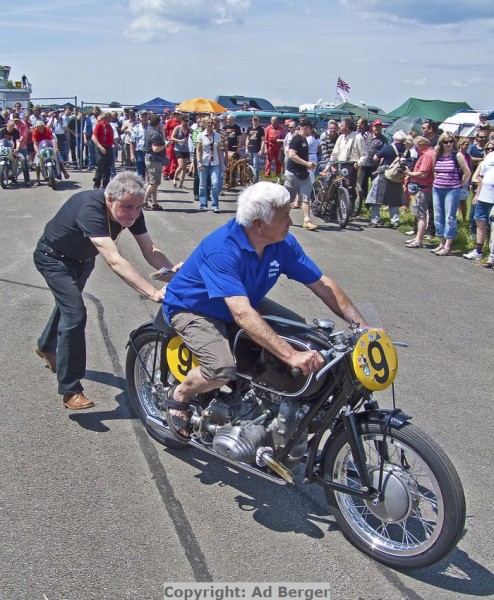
226, 280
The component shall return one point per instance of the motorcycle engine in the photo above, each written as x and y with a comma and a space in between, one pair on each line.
240, 442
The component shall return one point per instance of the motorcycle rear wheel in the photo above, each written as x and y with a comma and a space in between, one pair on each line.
4, 176
344, 207
144, 380
422, 514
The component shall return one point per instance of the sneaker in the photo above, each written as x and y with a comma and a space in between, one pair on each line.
411, 232
203, 208
310, 226
216, 210
473, 255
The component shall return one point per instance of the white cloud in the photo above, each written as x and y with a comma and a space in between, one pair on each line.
416, 82
155, 18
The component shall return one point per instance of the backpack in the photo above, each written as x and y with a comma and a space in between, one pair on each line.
394, 172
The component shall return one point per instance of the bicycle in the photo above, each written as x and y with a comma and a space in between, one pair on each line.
331, 199
239, 172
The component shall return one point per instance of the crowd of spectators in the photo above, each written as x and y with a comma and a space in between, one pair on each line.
440, 172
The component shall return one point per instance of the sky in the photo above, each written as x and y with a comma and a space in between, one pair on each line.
291, 53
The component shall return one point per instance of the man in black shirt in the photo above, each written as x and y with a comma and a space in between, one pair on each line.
87, 225
255, 139
297, 180
155, 159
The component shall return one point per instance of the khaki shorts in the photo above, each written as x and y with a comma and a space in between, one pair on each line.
302, 187
421, 203
207, 338
154, 170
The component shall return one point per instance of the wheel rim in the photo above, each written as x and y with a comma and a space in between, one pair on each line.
410, 518
149, 392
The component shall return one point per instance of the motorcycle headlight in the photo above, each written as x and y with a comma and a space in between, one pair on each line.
344, 172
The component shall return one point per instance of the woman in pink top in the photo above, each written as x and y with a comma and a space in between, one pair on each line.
450, 173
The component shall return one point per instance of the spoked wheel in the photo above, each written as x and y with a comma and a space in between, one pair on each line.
250, 175
146, 388
317, 199
421, 514
4, 176
344, 207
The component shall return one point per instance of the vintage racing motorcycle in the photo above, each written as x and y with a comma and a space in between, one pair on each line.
50, 166
394, 493
10, 163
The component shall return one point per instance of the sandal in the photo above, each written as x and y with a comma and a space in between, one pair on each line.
438, 249
443, 252
156, 207
146, 207
176, 423
294, 205
414, 244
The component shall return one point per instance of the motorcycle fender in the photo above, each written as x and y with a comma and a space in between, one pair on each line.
149, 326
4, 162
379, 416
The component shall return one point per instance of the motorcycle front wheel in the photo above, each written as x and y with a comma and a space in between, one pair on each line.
344, 207
146, 384
421, 515
4, 176
50, 171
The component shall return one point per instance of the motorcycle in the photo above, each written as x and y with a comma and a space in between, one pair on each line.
393, 492
331, 197
50, 167
10, 164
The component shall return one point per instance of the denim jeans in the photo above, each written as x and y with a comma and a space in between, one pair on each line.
25, 165
446, 201
140, 163
91, 150
255, 161
207, 171
64, 334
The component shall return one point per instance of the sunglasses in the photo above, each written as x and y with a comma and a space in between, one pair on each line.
489, 149
448, 142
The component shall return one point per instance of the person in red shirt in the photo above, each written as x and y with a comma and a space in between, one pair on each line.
103, 139
273, 142
420, 180
170, 124
41, 133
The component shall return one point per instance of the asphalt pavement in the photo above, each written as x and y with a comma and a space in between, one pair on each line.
93, 508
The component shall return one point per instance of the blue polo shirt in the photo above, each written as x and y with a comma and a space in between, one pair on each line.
225, 264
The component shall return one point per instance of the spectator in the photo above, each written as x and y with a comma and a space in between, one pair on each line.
273, 142
420, 179
103, 140
328, 140
170, 124
155, 157
463, 145
374, 142
484, 204
450, 173
23, 130
254, 142
233, 134
137, 140
180, 138
350, 152
209, 163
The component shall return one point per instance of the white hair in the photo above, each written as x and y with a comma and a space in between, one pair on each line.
400, 136
259, 201
127, 181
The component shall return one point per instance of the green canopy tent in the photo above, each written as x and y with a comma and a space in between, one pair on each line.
371, 113
438, 110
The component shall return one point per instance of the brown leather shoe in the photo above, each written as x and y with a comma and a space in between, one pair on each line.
51, 359
77, 401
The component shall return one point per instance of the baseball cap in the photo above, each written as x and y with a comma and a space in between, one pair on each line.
377, 122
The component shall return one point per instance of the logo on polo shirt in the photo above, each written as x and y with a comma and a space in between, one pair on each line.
274, 268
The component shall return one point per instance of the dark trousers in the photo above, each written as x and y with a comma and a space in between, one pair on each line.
140, 163
103, 167
64, 334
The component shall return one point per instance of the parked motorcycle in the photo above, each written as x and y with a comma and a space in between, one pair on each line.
50, 167
10, 164
394, 493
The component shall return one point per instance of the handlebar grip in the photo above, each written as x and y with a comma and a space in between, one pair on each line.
326, 354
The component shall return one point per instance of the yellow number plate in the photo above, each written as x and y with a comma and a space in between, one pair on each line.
375, 360
180, 359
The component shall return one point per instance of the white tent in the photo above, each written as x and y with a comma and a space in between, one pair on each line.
463, 124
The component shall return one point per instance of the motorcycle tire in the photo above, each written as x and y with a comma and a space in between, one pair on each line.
422, 514
50, 171
344, 207
4, 176
146, 395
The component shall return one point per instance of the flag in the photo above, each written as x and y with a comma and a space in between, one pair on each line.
342, 85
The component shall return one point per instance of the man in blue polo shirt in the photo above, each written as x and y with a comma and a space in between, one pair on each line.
226, 279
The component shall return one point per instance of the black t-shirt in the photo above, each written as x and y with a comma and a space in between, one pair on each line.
254, 138
154, 137
233, 132
9, 135
299, 144
82, 217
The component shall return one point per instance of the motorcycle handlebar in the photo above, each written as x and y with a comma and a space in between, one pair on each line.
326, 354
